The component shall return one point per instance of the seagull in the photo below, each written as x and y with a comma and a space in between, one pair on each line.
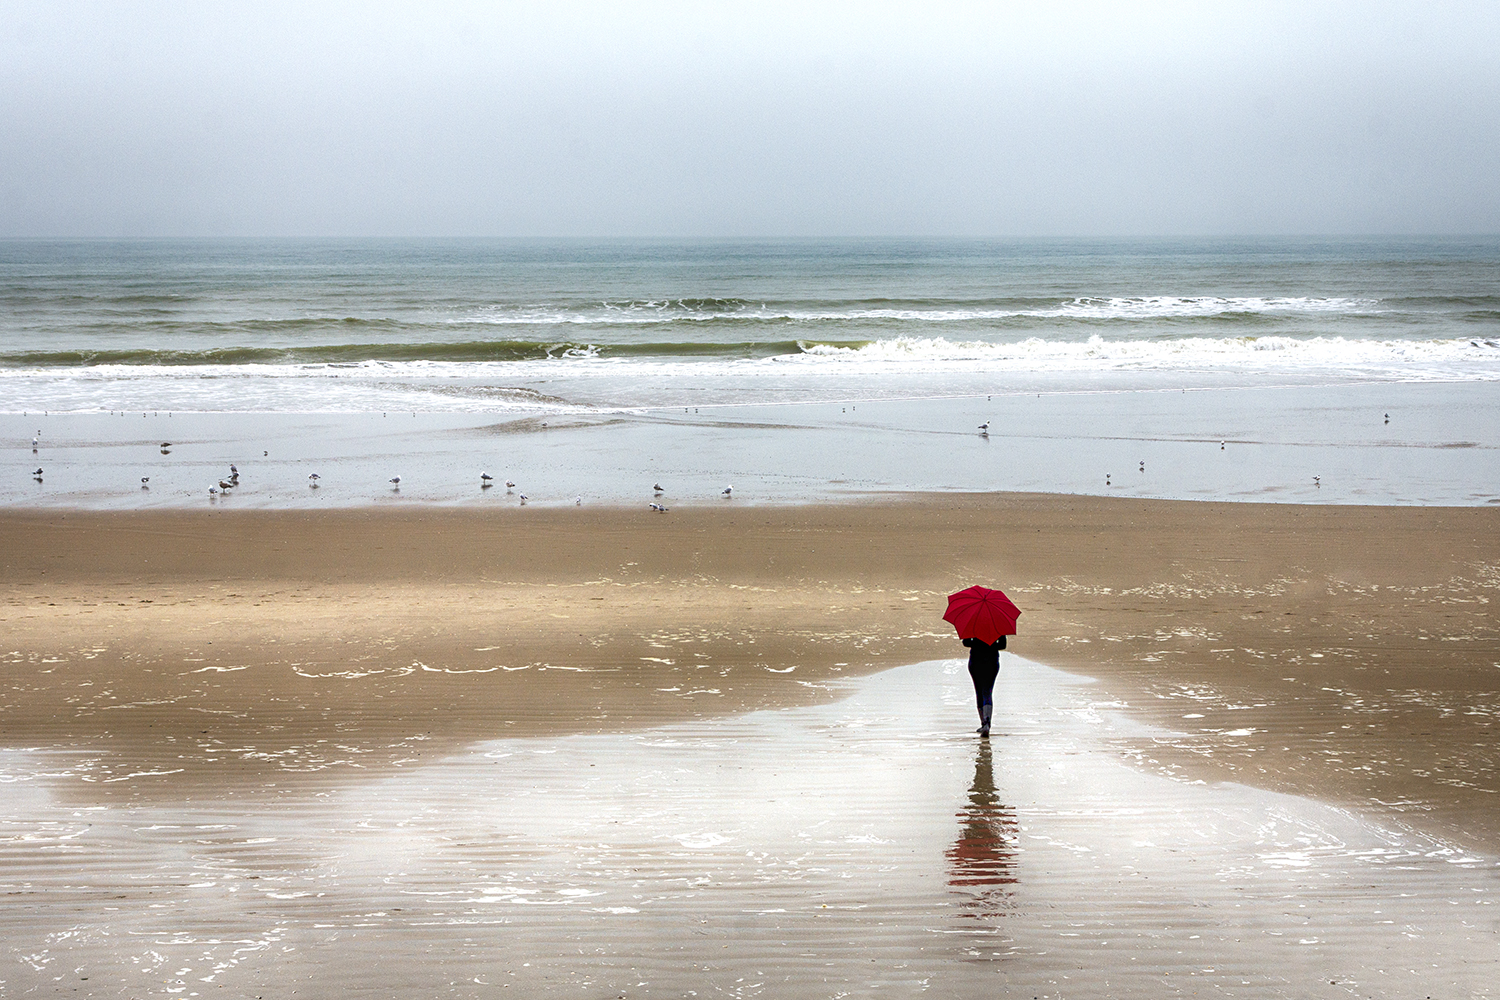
395, 481
1221, 445
225, 486
658, 489
1143, 466
166, 444
726, 491
38, 472
232, 470
145, 480
523, 498
1387, 420
1106, 479
34, 442
984, 428
213, 490
485, 477
1318, 481
658, 508
509, 485
578, 501
314, 476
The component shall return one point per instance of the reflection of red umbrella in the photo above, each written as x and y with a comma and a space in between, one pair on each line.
981, 613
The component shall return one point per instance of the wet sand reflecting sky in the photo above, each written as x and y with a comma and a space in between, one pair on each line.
870, 845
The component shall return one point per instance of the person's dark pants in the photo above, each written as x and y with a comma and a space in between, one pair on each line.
984, 686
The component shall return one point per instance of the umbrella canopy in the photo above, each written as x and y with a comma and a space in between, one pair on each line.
981, 613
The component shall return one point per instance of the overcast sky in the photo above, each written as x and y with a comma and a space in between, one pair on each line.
649, 119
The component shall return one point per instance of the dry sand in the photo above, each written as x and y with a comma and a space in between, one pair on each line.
221, 665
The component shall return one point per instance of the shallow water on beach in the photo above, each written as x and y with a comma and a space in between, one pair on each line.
868, 846
1385, 443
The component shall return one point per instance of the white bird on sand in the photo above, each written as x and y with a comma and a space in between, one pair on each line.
524, 498
1221, 445
145, 479
213, 490
34, 443
726, 491
485, 477
657, 488
509, 485
166, 444
232, 470
314, 476
1318, 481
578, 501
658, 508
395, 481
224, 486
38, 472
984, 428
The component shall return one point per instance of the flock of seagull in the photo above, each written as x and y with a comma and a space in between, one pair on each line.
225, 485
486, 481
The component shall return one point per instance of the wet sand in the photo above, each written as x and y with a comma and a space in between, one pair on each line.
337, 704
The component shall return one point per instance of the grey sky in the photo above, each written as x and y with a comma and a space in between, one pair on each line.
748, 119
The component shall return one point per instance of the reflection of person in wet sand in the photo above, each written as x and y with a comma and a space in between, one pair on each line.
984, 855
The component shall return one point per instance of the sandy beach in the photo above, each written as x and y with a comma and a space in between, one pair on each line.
481, 484
182, 686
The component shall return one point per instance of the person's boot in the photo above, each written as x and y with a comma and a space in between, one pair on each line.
984, 719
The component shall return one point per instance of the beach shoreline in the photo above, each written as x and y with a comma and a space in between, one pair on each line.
1343, 652
1399, 444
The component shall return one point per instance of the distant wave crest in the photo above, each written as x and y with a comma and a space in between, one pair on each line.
1124, 308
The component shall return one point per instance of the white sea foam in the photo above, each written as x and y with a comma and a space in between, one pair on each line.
1454, 357
584, 378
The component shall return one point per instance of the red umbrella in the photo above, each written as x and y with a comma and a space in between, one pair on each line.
981, 613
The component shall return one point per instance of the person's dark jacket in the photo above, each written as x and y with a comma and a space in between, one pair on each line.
983, 654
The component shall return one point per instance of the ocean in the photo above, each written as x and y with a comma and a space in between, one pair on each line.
789, 369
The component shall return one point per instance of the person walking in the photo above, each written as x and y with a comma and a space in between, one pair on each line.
984, 667
983, 618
